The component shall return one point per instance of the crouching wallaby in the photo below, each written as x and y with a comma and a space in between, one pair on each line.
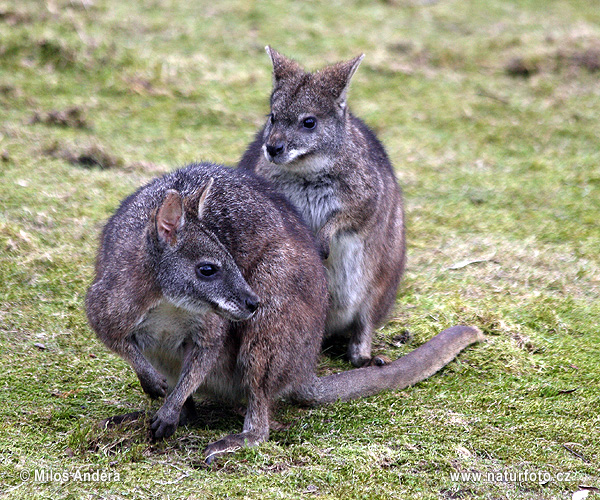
337, 174
207, 280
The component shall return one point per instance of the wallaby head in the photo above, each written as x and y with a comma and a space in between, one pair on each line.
195, 271
308, 110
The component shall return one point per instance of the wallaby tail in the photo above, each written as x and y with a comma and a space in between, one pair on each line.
405, 371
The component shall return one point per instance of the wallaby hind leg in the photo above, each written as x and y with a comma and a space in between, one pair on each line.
256, 430
359, 345
120, 419
188, 412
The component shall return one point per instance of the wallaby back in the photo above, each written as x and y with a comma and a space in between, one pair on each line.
335, 171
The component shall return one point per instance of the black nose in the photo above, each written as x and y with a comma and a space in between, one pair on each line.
275, 149
252, 304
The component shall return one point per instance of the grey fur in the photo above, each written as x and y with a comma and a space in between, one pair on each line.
183, 333
338, 175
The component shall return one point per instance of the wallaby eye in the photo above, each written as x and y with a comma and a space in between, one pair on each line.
206, 270
272, 118
309, 122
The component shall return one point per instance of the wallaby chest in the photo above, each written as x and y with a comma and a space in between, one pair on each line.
168, 326
315, 196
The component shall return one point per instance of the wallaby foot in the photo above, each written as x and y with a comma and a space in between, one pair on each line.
358, 359
232, 443
119, 419
359, 346
335, 346
378, 360
256, 429
362, 361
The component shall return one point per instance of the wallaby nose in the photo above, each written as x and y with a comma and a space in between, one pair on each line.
275, 149
252, 303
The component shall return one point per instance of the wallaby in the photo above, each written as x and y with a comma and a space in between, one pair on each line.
208, 280
335, 171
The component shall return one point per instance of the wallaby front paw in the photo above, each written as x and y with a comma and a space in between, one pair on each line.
154, 384
323, 247
164, 423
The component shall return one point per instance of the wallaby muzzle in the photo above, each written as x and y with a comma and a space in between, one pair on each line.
275, 149
252, 303
244, 308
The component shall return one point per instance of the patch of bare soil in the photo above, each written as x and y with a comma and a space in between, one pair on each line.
93, 155
73, 117
556, 61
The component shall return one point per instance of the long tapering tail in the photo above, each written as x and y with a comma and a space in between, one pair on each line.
417, 365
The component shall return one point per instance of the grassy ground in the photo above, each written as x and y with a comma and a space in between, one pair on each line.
489, 110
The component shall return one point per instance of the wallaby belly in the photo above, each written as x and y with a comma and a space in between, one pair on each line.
316, 199
162, 337
346, 281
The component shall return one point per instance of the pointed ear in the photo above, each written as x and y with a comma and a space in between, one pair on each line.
204, 192
282, 66
340, 75
170, 217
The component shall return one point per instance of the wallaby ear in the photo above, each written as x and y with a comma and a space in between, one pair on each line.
195, 203
205, 190
338, 78
282, 66
170, 217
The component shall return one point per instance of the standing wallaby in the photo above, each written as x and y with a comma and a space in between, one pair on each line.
337, 174
207, 280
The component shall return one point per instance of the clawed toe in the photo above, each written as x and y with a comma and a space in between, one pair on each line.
379, 360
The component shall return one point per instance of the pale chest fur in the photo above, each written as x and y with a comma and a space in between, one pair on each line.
313, 193
162, 334
317, 199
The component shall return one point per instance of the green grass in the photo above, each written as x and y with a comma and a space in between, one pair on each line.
489, 110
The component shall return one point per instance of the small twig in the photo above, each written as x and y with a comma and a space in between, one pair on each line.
568, 391
180, 478
578, 455
484, 93
589, 488
465, 263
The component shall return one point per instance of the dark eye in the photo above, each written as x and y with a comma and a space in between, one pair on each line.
272, 118
309, 123
206, 270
